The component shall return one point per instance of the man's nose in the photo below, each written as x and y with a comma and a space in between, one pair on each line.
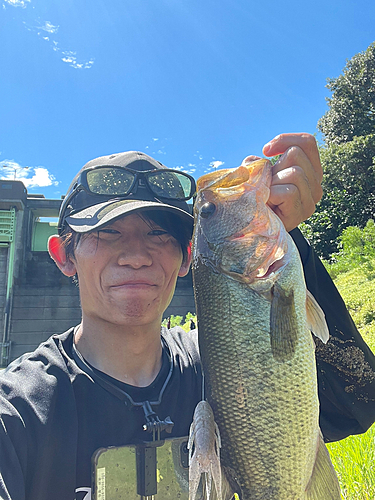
134, 253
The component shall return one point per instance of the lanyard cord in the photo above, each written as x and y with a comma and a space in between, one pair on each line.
153, 423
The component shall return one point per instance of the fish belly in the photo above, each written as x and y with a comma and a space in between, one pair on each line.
267, 410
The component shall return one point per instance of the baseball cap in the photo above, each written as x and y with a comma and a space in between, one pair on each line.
109, 187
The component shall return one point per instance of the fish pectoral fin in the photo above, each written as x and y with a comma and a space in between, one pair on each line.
204, 453
316, 320
323, 483
224, 490
204, 458
208, 483
194, 479
283, 324
227, 490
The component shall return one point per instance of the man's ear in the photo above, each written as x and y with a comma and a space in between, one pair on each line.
57, 251
185, 266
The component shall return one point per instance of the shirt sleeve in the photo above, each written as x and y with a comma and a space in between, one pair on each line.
13, 453
345, 365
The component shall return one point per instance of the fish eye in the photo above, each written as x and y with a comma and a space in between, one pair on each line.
207, 210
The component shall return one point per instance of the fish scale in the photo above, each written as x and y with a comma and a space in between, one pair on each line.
242, 382
256, 347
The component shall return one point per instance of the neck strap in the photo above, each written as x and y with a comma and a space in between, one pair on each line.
153, 424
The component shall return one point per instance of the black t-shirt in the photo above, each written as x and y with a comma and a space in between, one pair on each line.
346, 365
56, 412
55, 415
120, 418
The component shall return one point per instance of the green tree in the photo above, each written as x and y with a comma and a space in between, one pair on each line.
351, 110
356, 250
348, 155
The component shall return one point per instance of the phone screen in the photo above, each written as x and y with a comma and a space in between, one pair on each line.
154, 470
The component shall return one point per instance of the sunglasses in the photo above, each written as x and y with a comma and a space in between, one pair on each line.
108, 181
121, 181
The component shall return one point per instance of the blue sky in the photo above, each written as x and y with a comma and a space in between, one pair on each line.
190, 82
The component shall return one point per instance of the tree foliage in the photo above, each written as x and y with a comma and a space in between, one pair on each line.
348, 155
356, 250
352, 105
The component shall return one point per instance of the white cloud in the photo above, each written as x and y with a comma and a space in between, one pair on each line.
49, 27
155, 139
41, 178
30, 176
69, 59
216, 164
17, 3
41, 26
69, 56
9, 169
190, 170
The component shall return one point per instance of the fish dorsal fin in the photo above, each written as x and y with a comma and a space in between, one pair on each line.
224, 179
260, 171
283, 324
323, 483
316, 321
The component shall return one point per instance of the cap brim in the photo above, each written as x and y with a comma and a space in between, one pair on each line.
101, 214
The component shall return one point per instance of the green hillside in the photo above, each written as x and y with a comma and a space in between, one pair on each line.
357, 288
354, 457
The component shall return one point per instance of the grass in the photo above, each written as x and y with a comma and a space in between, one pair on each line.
354, 457
357, 288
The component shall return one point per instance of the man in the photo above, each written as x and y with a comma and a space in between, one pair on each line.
124, 231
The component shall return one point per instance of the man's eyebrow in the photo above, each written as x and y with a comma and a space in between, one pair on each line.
150, 223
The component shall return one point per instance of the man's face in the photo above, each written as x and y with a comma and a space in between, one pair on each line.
127, 272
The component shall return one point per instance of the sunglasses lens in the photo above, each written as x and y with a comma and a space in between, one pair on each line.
171, 185
109, 181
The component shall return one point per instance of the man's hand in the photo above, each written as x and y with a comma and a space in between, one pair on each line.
297, 176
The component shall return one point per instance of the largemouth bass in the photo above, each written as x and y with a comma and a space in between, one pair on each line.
254, 321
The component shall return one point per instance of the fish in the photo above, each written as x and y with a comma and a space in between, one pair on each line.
255, 318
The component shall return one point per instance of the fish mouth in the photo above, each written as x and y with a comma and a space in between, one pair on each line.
262, 261
265, 272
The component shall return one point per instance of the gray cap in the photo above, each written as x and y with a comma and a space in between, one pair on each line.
84, 211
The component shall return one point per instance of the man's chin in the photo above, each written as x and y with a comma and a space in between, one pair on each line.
139, 311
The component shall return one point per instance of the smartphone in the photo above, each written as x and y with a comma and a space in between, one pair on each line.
150, 470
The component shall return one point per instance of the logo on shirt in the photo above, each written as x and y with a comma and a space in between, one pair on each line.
83, 494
